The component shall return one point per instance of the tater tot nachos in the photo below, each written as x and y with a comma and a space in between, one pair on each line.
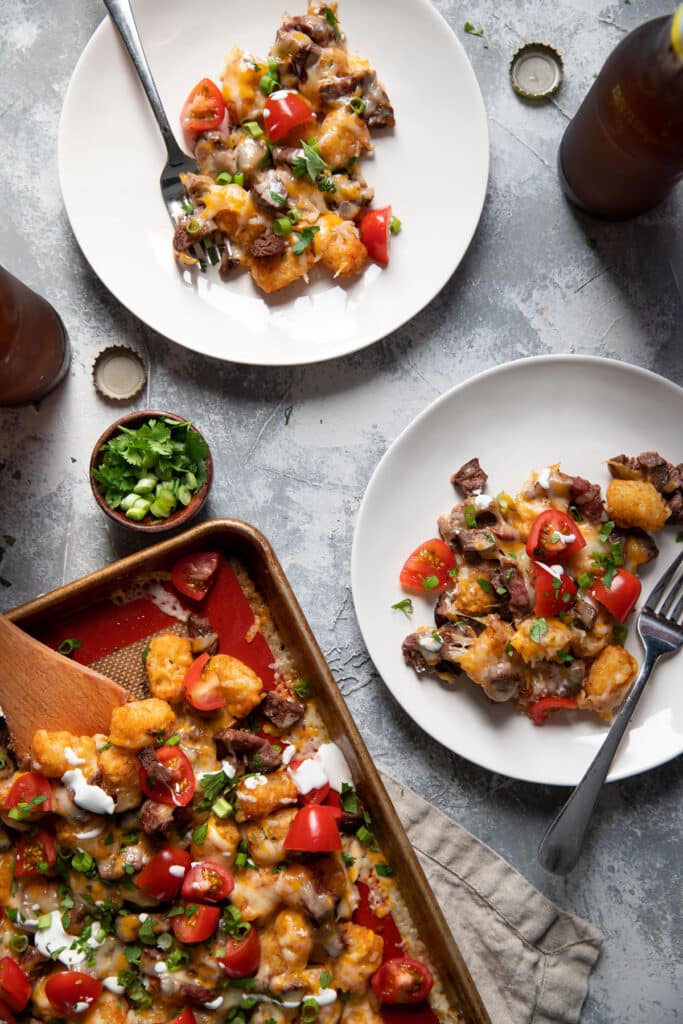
278, 150
534, 590
209, 859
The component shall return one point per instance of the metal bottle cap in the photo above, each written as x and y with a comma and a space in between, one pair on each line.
119, 373
536, 71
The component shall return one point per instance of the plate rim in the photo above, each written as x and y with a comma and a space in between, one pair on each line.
440, 281
547, 359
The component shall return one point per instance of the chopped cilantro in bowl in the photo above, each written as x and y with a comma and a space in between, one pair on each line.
151, 471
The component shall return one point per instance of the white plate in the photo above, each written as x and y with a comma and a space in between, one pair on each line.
432, 168
518, 417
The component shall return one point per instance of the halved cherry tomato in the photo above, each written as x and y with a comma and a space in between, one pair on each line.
374, 234
540, 709
72, 992
163, 875
15, 985
194, 574
204, 108
402, 980
314, 796
30, 795
36, 854
180, 790
283, 111
314, 830
242, 956
196, 924
549, 536
620, 597
555, 591
207, 880
204, 694
428, 566
6, 1015
186, 1017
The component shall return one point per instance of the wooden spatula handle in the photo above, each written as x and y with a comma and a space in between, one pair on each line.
41, 689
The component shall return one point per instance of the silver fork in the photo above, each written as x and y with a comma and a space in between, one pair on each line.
659, 627
172, 190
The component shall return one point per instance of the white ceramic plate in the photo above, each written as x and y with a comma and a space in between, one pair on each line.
518, 417
432, 168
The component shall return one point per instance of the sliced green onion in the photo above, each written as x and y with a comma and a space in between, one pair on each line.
193, 227
395, 225
238, 179
357, 104
254, 129
282, 226
221, 808
294, 216
184, 495
224, 178
138, 511
18, 943
128, 501
145, 485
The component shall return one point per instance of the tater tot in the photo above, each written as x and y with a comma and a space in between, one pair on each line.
136, 725
541, 643
54, 753
168, 660
121, 776
636, 503
344, 254
360, 959
609, 677
263, 794
342, 137
274, 272
243, 689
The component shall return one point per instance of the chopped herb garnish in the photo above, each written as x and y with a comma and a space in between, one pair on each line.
472, 31
333, 22
69, 645
620, 634
384, 870
539, 628
305, 238
277, 198
325, 184
485, 585
395, 226
405, 605
232, 923
212, 786
430, 582
25, 808
271, 80
325, 979
311, 163
349, 798
357, 105
302, 688
605, 530
199, 834
348, 860
365, 835
287, 414
454, 572
254, 129
565, 657
145, 654
585, 580
509, 650
309, 1007
470, 516
146, 933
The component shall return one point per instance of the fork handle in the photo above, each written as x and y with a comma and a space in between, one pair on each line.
122, 16
561, 845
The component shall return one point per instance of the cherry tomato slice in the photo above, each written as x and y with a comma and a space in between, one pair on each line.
621, 596
283, 111
36, 854
242, 956
207, 881
71, 992
15, 985
6, 1015
180, 790
402, 980
428, 567
186, 1017
554, 535
314, 796
555, 591
374, 234
203, 692
196, 924
163, 875
540, 709
194, 575
204, 108
30, 796
314, 830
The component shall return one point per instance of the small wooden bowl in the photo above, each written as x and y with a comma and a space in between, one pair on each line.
183, 514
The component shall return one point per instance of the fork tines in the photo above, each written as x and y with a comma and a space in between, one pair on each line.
674, 586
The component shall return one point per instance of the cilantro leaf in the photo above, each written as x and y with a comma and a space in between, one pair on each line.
311, 163
305, 239
539, 628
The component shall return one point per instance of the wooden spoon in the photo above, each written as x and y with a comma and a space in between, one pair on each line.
41, 689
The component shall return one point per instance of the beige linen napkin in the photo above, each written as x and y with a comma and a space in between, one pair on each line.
529, 960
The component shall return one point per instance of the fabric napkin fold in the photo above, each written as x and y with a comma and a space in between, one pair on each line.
529, 959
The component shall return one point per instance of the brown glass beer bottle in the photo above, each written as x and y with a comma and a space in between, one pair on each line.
34, 349
623, 151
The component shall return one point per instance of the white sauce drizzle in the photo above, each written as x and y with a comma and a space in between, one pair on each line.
215, 1004
168, 603
255, 780
558, 571
482, 501
52, 938
328, 766
92, 833
112, 985
429, 643
288, 754
89, 798
544, 478
177, 870
72, 758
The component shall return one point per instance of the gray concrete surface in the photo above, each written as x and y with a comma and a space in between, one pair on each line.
530, 283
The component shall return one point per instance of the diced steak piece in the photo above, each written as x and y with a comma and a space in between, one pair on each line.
300, 54
587, 498
214, 154
196, 185
287, 154
646, 544
584, 614
315, 26
517, 596
333, 89
267, 244
155, 817
378, 111
479, 542
246, 751
502, 682
281, 712
155, 770
197, 995
414, 655
269, 192
203, 637
470, 478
